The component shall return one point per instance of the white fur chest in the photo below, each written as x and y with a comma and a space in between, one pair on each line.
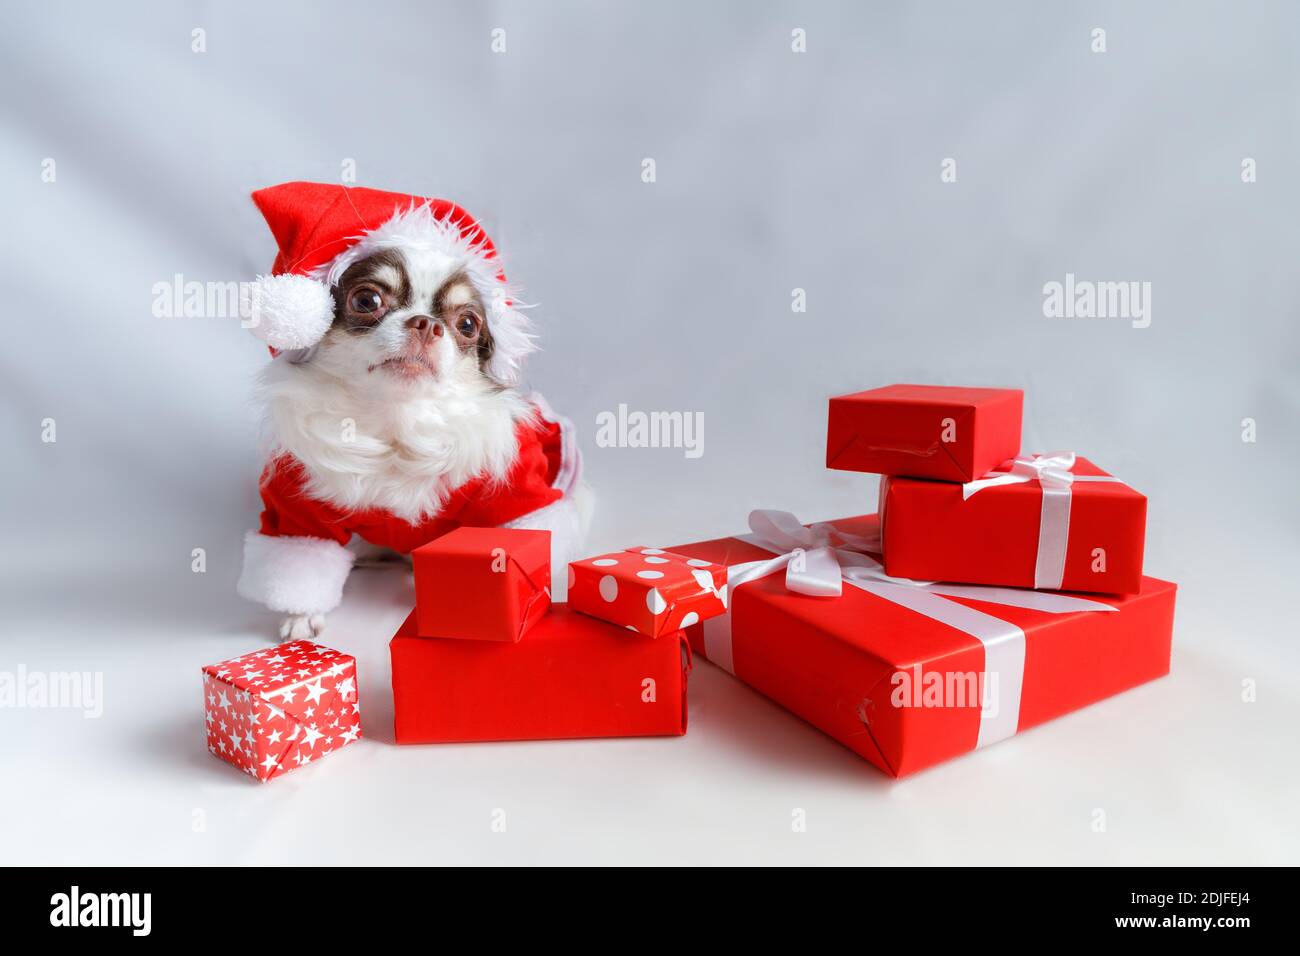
400, 449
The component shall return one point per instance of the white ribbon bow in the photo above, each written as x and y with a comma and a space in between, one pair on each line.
819, 559
1054, 471
813, 557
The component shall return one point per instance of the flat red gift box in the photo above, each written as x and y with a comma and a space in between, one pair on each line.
924, 431
648, 590
1004, 535
483, 584
571, 676
276, 709
898, 672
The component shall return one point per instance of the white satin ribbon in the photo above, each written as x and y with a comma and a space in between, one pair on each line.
811, 557
1053, 471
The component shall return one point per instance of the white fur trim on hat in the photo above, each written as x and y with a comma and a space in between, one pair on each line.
294, 575
419, 228
287, 311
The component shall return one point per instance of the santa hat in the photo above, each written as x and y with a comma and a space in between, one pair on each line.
321, 229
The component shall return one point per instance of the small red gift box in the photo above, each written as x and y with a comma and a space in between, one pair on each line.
572, 676
925, 431
482, 584
908, 674
1047, 521
648, 590
273, 710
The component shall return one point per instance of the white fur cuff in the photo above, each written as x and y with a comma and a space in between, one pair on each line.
294, 575
567, 520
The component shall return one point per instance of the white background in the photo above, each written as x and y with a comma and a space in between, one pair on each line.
776, 170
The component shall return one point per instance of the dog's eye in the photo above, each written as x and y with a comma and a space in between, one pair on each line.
367, 301
467, 324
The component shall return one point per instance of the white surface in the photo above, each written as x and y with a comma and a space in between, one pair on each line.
1184, 772
776, 171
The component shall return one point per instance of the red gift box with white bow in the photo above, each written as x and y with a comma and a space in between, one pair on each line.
273, 710
910, 673
1054, 521
649, 590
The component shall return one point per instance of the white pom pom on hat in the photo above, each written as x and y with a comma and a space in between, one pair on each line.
321, 228
287, 311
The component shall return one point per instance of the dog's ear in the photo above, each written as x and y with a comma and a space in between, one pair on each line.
509, 338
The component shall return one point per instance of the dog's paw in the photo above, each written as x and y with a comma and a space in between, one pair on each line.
301, 627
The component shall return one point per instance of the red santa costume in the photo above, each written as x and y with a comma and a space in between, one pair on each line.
297, 561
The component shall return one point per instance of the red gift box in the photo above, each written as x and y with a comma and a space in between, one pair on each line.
925, 431
482, 584
648, 590
572, 676
276, 709
909, 674
1053, 521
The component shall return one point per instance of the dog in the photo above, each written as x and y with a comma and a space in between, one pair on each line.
403, 419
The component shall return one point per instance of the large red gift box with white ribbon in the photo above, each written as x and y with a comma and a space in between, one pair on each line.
927, 431
1054, 521
571, 676
273, 710
908, 674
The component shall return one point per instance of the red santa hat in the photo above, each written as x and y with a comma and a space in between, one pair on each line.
322, 228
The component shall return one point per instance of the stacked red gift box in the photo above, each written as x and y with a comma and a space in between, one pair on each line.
957, 615
992, 591
485, 655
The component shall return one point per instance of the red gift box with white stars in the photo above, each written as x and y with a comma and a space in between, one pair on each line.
273, 710
649, 590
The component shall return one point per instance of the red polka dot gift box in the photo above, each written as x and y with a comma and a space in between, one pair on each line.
277, 709
648, 590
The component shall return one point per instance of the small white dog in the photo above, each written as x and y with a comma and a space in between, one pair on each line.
392, 407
